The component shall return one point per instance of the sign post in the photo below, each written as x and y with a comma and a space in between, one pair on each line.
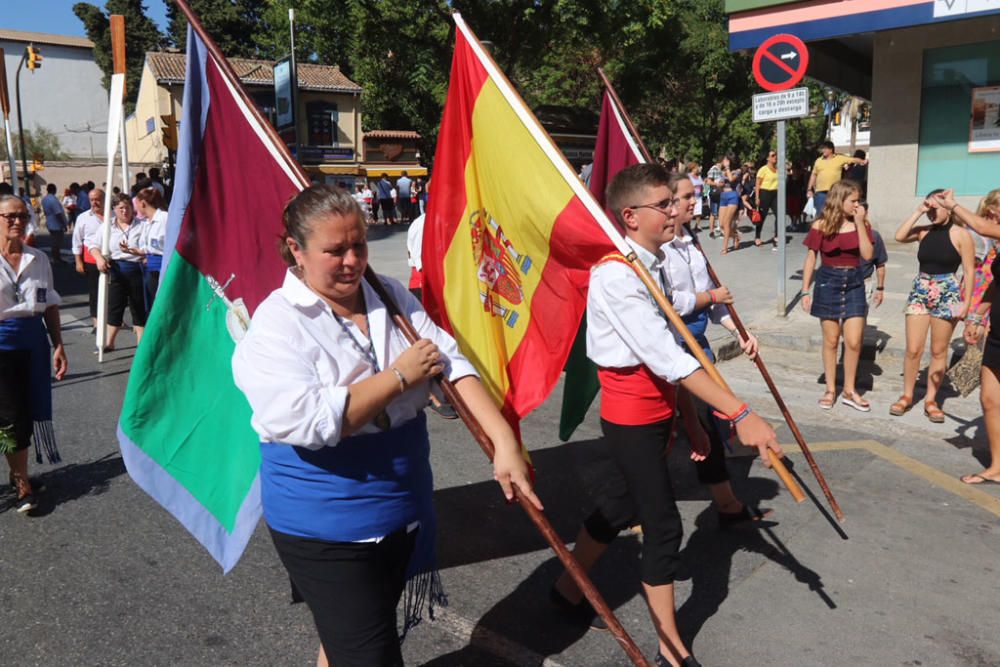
778, 66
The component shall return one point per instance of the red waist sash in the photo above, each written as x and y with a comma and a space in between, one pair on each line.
634, 396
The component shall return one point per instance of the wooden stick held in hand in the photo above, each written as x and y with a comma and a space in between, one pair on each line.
758, 361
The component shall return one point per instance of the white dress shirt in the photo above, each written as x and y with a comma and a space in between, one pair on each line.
155, 233
625, 326
132, 235
85, 232
687, 274
29, 290
296, 362
415, 243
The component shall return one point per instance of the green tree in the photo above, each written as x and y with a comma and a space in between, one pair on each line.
324, 31
141, 35
230, 23
40, 141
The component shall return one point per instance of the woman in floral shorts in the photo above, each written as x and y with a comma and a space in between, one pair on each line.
937, 301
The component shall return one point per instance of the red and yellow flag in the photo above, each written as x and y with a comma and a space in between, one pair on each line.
510, 235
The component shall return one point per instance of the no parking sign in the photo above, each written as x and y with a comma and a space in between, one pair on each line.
780, 62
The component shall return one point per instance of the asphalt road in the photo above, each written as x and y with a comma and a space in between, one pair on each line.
103, 576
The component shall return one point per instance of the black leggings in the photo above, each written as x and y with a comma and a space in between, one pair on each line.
352, 590
638, 486
125, 286
768, 202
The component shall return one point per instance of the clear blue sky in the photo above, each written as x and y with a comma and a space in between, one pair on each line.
57, 17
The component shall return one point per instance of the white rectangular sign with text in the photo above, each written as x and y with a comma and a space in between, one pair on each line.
782, 105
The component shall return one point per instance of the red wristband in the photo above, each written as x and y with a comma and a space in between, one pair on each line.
739, 411
711, 297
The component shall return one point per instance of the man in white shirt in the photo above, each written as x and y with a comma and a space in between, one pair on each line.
639, 365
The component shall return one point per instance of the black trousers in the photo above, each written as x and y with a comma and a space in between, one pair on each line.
388, 210
713, 469
125, 287
638, 487
352, 590
93, 278
768, 202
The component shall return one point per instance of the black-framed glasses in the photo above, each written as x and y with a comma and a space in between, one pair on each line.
14, 217
662, 206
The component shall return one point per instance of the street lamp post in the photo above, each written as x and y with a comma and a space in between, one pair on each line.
20, 124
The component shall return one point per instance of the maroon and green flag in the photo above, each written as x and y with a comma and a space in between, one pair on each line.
184, 429
615, 150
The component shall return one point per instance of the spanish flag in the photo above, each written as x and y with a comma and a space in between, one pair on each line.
510, 235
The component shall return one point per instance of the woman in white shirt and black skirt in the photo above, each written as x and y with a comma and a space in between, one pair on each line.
29, 308
124, 268
337, 396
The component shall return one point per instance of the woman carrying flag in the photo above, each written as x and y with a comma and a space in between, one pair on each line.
337, 398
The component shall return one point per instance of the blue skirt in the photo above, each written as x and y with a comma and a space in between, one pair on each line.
839, 294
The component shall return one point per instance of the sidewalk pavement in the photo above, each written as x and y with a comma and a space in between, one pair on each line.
751, 275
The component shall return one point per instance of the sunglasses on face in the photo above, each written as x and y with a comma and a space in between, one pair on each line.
14, 217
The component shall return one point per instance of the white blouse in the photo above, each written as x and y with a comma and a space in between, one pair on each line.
687, 273
132, 235
296, 362
625, 326
155, 233
29, 290
85, 232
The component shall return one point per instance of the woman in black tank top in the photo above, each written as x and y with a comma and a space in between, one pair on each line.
936, 302
989, 387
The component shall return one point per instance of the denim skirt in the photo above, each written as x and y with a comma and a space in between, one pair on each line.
839, 293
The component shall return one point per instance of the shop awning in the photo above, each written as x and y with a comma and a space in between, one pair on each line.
376, 170
336, 169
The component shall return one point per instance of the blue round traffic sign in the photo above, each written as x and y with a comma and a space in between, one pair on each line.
780, 62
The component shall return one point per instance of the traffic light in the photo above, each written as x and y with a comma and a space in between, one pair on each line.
34, 55
169, 136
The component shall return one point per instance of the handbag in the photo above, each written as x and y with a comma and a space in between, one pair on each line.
755, 217
965, 375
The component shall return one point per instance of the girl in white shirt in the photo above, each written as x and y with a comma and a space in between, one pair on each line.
337, 397
29, 308
150, 204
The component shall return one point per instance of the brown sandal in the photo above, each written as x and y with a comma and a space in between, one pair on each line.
933, 412
902, 406
828, 399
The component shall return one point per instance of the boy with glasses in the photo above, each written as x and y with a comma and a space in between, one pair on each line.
639, 365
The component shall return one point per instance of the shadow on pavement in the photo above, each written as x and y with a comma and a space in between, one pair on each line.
526, 617
70, 482
381, 231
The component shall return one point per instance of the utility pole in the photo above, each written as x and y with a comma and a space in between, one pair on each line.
5, 105
295, 85
20, 124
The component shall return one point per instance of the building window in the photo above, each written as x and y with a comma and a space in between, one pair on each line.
264, 101
945, 161
322, 121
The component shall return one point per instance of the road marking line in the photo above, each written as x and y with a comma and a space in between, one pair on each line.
930, 474
488, 640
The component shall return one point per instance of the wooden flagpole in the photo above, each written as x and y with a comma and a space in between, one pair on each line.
758, 360
5, 106
115, 120
537, 517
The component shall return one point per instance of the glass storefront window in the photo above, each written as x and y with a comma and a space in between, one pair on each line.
946, 159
